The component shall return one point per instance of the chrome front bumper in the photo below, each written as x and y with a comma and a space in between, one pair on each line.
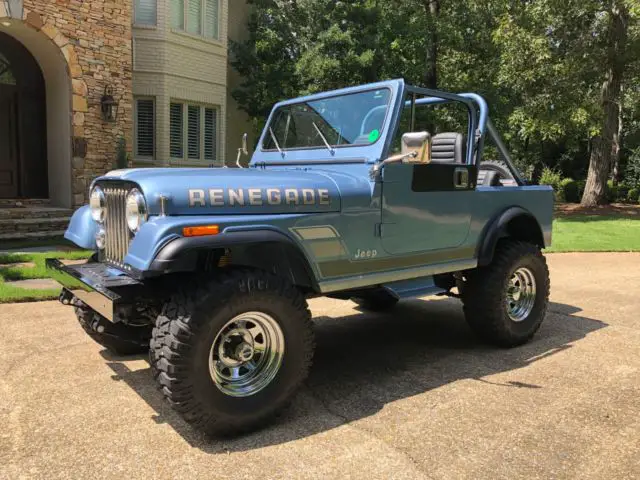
101, 287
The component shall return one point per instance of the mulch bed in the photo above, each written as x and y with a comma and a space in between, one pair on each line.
614, 209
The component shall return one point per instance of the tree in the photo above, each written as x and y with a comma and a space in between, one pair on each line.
267, 60
607, 144
551, 70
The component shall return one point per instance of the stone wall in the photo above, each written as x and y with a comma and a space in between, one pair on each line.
95, 39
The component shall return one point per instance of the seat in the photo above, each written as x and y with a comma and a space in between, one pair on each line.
448, 147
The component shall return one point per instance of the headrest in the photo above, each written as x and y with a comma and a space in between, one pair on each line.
448, 147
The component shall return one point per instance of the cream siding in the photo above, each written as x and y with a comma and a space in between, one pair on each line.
171, 65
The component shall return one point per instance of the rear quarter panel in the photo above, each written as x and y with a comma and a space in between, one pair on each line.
490, 202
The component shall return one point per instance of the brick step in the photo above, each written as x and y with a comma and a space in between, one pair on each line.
31, 235
32, 225
34, 212
24, 202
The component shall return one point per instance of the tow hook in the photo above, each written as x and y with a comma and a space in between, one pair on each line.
66, 297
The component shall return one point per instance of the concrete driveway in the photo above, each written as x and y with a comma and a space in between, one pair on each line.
408, 395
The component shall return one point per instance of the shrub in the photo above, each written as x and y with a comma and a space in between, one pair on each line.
553, 178
623, 192
632, 170
569, 190
633, 196
612, 191
581, 186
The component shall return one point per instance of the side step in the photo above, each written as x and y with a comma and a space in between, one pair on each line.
415, 287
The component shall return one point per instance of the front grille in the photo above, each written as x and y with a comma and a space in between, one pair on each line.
117, 232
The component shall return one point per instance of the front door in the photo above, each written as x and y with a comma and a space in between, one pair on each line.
8, 142
426, 207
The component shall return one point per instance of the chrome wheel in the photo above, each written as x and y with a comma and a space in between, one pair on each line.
521, 294
246, 354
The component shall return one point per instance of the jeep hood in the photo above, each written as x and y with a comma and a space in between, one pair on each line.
216, 191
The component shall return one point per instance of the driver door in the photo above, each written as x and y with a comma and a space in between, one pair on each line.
427, 206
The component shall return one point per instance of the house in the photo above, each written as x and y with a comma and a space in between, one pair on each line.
87, 85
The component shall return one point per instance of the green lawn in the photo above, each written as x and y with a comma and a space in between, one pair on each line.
596, 233
10, 293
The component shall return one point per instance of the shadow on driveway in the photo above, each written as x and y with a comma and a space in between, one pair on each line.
364, 361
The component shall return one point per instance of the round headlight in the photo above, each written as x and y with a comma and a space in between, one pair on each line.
136, 210
98, 204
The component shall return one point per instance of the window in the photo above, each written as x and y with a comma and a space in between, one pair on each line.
210, 129
198, 17
193, 132
145, 12
211, 19
344, 120
194, 16
175, 131
177, 14
145, 128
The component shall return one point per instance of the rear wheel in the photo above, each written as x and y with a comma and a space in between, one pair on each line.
506, 301
230, 352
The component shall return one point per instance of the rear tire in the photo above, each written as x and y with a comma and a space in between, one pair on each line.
506, 301
214, 347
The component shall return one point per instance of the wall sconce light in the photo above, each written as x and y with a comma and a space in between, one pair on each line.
109, 105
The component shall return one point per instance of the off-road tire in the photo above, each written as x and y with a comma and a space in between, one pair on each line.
187, 327
117, 337
378, 301
485, 290
495, 166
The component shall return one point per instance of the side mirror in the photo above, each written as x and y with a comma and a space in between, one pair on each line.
241, 150
419, 145
245, 150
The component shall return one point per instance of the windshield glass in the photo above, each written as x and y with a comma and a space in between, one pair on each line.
352, 119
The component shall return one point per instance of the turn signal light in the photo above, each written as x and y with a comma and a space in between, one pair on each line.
201, 231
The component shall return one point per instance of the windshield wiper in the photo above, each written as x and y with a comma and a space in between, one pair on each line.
275, 140
324, 139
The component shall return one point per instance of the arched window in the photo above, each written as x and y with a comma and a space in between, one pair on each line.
6, 74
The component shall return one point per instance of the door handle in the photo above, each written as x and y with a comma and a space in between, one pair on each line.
461, 178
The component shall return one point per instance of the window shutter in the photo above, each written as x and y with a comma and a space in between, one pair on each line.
175, 131
177, 14
145, 131
211, 18
210, 134
193, 131
194, 17
145, 12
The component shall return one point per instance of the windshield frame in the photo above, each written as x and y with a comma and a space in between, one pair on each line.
323, 147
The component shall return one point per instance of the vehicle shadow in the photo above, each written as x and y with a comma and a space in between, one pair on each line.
365, 361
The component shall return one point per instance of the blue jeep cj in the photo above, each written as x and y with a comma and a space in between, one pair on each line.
374, 193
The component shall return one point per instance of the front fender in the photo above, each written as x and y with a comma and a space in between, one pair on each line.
82, 229
263, 247
159, 247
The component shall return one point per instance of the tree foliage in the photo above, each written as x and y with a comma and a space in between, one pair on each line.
545, 66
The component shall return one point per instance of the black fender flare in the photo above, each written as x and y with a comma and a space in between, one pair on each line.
178, 254
498, 228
